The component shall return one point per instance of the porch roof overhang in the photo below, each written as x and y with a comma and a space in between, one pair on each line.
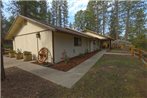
95, 35
73, 32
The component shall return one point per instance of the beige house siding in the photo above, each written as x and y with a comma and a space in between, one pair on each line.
29, 42
65, 42
95, 46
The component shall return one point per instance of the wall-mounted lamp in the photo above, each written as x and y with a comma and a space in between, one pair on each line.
38, 35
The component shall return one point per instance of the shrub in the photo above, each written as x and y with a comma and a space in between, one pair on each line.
86, 51
12, 51
81, 54
26, 53
18, 51
140, 42
19, 54
64, 57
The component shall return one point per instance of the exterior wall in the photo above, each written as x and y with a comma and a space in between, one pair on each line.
65, 42
29, 42
95, 46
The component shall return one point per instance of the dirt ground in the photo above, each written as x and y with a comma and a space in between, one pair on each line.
72, 62
21, 84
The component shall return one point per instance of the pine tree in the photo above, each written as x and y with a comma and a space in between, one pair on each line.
91, 16
94, 16
26, 8
54, 12
70, 25
65, 13
59, 13
87, 19
128, 6
139, 21
117, 21
33, 9
42, 10
79, 22
112, 29
104, 13
114, 20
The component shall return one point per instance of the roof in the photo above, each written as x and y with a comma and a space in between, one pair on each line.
18, 23
121, 42
99, 36
95, 35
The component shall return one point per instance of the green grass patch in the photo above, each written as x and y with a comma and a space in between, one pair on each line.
118, 51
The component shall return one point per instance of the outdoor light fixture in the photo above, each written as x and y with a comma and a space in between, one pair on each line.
38, 35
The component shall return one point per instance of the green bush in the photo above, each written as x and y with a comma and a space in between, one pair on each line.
140, 42
12, 51
19, 51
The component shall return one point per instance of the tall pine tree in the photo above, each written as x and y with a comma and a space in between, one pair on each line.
59, 13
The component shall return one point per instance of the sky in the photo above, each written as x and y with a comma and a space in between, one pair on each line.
73, 6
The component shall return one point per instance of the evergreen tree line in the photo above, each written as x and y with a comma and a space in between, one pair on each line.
114, 18
55, 14
119, 19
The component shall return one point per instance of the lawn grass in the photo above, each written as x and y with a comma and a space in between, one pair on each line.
113, 76
118, 51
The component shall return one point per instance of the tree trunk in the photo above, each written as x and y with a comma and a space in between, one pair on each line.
117, 24
104, 17
127, 21
2, 65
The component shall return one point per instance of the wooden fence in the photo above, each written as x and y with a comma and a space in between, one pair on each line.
139, 53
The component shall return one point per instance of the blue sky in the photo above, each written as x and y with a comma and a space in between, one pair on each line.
73, 5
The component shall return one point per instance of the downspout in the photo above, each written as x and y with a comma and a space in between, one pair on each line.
14, 46
53, 50
37, 36
37, 46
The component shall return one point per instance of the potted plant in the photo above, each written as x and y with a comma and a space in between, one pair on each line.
11, 53
19, 55
27, 56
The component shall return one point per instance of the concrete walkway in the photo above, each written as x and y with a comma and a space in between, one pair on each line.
65, 79
11, 62
117, 53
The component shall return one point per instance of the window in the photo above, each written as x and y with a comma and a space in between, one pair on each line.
77, 41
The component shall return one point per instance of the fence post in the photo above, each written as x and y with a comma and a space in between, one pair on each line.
132, 51
140, 53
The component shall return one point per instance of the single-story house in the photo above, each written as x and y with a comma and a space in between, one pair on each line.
31, 35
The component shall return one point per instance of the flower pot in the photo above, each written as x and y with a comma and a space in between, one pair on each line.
19, 56
11, 54
27, 57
